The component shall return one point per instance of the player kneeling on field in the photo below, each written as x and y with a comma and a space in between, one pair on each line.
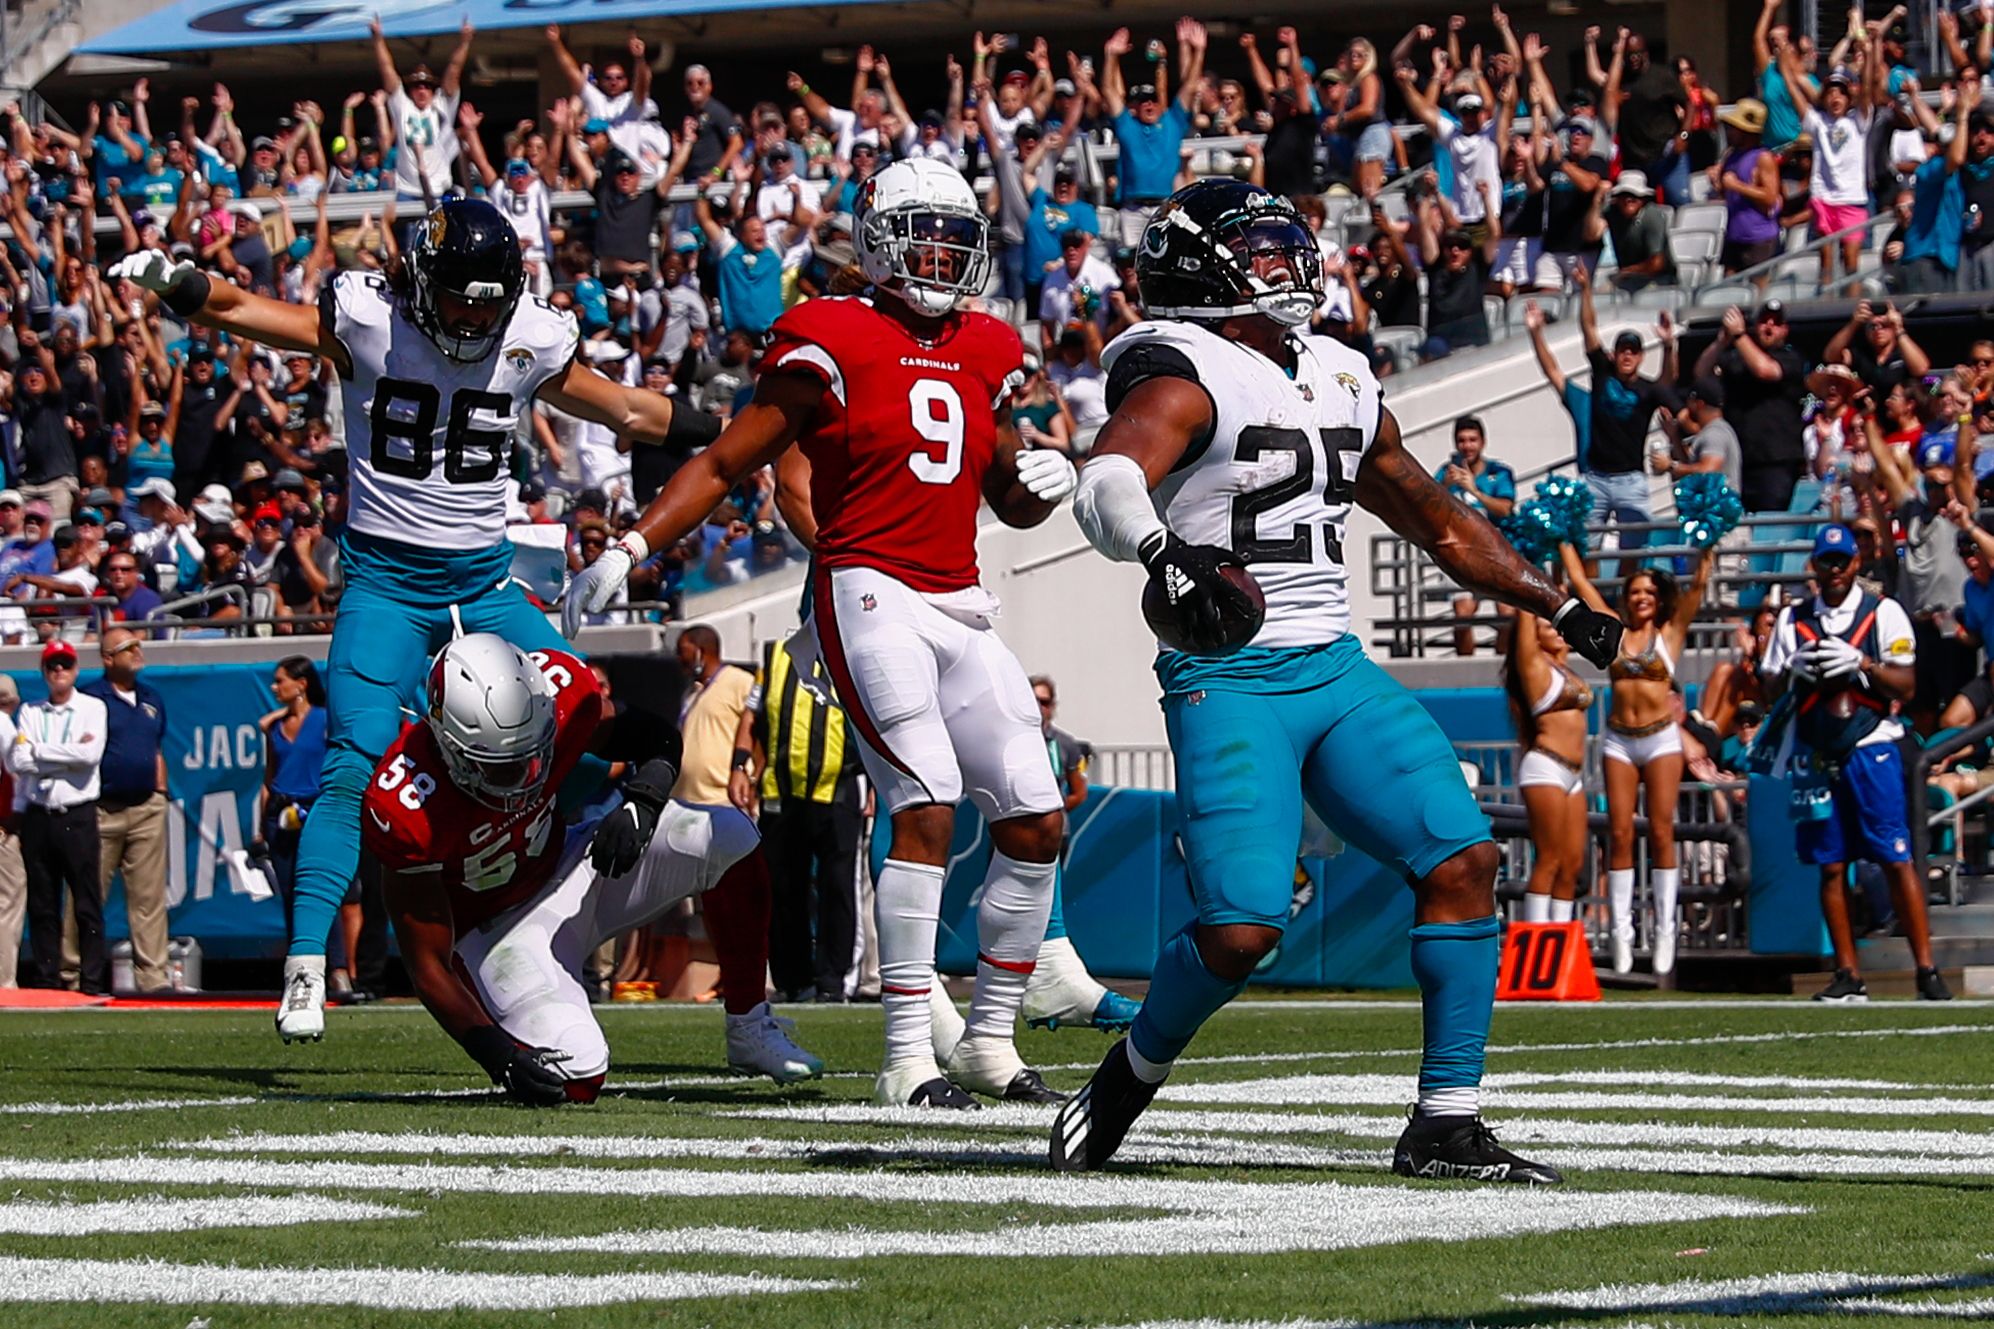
464, 813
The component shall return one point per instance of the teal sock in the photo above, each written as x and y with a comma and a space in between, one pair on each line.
328, 850
1055, 923
1456, 966
1183, 994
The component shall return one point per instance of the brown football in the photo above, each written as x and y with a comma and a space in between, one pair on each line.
1239, 629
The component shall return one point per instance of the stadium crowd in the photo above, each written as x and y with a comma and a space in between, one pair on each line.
152, 468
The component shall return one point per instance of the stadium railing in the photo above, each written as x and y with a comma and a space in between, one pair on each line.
1931, 819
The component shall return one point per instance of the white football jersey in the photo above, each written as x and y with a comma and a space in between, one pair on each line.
1277, 480
429, 438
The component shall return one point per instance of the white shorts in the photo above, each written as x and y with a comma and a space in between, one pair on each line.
941, 706
1517, 262
1638, 752
1541, 768
525, 966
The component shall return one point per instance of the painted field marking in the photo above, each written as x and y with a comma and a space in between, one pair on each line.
1210, 1219
174, 1213
1820, 1292
1378, 1089
1156, 1125
162, 1282
121, 1105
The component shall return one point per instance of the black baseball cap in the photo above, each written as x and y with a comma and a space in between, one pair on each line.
1708, 389
593, 499
1772, 310
1143, 92
1627, 341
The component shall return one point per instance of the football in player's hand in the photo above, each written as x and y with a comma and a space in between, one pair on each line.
1210, 610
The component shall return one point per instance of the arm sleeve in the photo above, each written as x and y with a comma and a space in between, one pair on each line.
1894, 639
1154, 359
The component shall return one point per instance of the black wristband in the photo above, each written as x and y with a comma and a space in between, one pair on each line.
690, 428
491, 1047
652, 784
742, 756
188, 295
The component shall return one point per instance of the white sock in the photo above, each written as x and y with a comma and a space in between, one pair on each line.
1010, 926
1666, 884
1149, 1072
1465, 1101
1620, 897
1562, 911
1536, 908
907, 901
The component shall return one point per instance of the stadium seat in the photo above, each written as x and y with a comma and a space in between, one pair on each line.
1496, 311
1694, 245
1728, 293
1402, 342
1692, 274
1699, 187
1670, 298
1799, 267
1709, 217
1552, 304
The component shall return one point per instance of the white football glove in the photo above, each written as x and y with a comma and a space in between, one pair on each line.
1049, 476
596, 585
151, 269
1836, 658
1806, 666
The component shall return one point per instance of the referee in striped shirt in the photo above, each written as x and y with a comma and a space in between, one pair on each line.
797, 758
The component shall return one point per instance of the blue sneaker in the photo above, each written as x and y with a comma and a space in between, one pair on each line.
1115, 1013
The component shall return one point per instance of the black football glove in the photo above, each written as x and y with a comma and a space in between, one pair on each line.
623, 836
1594, 635
528, 1075
1202, 601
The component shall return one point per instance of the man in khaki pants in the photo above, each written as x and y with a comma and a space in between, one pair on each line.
13, 879
131, 809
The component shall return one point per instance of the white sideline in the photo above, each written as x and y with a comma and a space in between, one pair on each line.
1310, 1090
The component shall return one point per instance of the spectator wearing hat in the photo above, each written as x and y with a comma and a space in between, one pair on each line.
1149, 135
29, 552
1947, 190
1621, 407
266, 542
1850, 658
1875, 345
1837, 119
131, 801
1833, 431
676, 318
12, 507
43, 442
13, 880
166, 535
57, 746
620, 93
424, 111
1640, 232
1042, 417
71, 579
1748, 178
786, 203
1469, 138
1654, 122
1574, 173
200, 390
1054, 214
1931, 575
1457, 271
1704, 441
222, 566
112, 145
1075, 290
1074, 368
1765, 380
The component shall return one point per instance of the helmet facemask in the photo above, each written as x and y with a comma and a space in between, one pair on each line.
463, 339
507, 782
1281, 265
932, 260
1256, 259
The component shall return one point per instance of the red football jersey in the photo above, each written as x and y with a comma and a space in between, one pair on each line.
488, 860
903, 434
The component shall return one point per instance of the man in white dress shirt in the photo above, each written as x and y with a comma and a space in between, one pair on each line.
56, 749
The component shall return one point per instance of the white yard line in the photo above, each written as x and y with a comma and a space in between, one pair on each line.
1821, 1292
174, 1213
121, 1105
162, 1282
1311, 1090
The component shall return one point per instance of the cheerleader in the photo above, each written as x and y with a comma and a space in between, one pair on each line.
1549, 703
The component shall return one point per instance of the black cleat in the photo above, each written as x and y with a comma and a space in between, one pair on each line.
1027, 1086
1091, 1126
942, 1092
1847, 989
1931, 987
1463, 1149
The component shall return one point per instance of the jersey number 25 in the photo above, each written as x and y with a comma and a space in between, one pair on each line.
1298, 546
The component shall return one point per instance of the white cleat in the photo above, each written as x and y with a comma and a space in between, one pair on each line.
759, 1043
992, 1067
1623, 951
919, 1083
945, 1021
1061, 991
301, 1009
1665, 951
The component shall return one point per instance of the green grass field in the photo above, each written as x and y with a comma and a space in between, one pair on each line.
1729, 1162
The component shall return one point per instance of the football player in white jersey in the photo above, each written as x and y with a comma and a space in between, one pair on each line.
437, 362
1238, 441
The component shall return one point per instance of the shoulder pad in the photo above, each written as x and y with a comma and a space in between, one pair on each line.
1141, 360
551, 334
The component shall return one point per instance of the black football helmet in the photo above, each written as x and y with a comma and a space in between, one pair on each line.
465, 251
1206, 255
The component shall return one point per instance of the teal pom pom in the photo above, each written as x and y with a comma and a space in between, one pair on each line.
1536, 529
1707, 508
1570, 503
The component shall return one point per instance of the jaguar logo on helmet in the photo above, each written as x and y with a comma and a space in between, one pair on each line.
439, 226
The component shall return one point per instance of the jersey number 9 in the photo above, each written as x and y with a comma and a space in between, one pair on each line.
403, 415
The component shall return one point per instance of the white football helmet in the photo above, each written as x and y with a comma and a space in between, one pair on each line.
921, 235
492, 712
